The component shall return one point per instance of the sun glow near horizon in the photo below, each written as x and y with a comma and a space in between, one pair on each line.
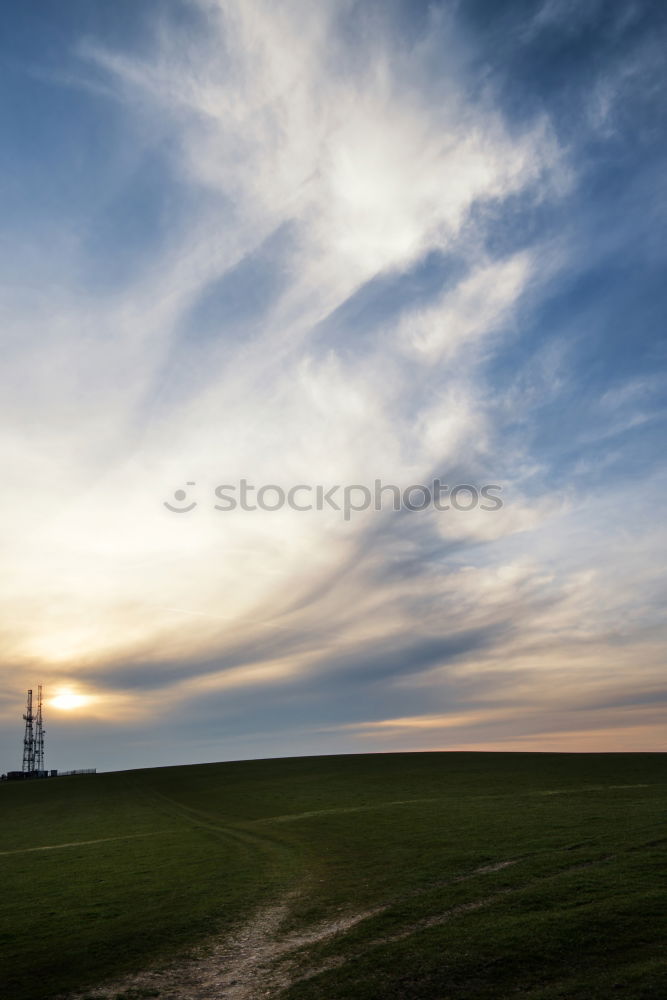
69, 700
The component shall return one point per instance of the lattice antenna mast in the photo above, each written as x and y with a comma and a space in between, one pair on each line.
39, 733
29, 738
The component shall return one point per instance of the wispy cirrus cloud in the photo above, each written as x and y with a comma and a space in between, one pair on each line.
341, 257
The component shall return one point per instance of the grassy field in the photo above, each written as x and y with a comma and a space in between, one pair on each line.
470, 875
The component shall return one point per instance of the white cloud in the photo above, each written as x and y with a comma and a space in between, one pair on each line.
272, 120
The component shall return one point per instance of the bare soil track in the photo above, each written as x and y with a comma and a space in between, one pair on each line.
257, 961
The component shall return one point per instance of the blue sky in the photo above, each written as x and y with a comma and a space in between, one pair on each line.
326, 244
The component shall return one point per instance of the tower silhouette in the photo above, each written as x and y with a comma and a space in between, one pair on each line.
39, 733
33, 736
29, 738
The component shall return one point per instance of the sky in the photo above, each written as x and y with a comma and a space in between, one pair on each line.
322, 245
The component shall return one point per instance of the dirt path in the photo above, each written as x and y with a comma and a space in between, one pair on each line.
295, 817
256, 961
83, 843
243, 967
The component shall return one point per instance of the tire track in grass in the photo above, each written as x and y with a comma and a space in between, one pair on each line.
238, 832
84, 843
295, 817
460, 909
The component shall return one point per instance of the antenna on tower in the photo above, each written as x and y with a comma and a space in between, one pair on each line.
39, 733
29, 738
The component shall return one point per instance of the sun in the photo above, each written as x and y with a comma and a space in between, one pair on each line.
68, 700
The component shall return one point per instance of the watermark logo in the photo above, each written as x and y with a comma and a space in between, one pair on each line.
180, 496
351, 499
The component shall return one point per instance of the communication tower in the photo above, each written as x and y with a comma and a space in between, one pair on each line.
29, 738
39, 733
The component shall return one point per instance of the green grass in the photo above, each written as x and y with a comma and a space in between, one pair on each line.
580, 913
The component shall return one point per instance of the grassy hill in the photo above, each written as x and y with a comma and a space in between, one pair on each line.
469, 875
